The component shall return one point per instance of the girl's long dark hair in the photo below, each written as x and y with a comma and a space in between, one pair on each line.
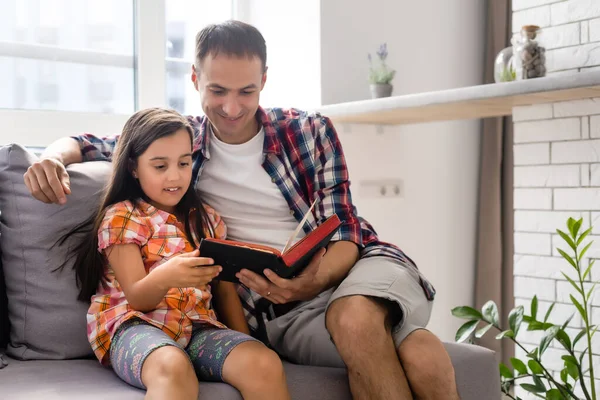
139, 132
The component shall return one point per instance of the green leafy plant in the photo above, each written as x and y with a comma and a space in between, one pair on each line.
508, 74
380, 72
540, 381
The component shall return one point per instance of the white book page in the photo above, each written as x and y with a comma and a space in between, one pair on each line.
295, 234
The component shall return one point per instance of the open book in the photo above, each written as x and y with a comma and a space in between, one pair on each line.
287, 263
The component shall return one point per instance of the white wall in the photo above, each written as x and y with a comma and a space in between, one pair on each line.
434, 220
291, 32
557, 159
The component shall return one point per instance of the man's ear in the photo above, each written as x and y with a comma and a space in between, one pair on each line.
194, 76
264, 79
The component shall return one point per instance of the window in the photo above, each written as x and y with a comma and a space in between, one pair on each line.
184, 18
67, 55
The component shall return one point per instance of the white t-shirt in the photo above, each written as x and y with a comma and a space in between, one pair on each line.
234, 182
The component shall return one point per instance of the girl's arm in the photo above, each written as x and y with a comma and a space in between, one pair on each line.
143, 291
229, 307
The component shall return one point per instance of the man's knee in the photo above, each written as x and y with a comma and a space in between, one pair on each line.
355, 317
421, 348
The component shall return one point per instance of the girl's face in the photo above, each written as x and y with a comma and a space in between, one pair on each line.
164, 170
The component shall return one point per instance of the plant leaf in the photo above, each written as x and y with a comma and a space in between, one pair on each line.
583, 236
564, 375
579, 336
531, 388
567, 257
515, 319
490, 312
585, 249
567, 239
519, 366
567, 321
505, 371
570, 222
535, 367
563, 338
508, 333
533, 354
569, 358
589, 293
466, 313
479, 334
465, 331
534, 307
579, 308
572, 369
573, 283
548, 338
554, 394
549, 311
589, 269
538, 383
576, 227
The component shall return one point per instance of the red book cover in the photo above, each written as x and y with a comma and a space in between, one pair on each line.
234, 255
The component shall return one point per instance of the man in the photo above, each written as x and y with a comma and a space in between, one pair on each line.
362, 304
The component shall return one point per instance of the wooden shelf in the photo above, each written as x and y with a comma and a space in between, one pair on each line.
493, 100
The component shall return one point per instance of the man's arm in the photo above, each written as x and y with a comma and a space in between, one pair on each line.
47, 179
66, 150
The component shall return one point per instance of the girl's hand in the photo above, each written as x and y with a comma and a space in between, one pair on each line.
187, 270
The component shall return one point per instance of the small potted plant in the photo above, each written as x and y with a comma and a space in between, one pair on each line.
380, 75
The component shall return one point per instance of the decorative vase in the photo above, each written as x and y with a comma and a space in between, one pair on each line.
504, 66
529, 55
379, 90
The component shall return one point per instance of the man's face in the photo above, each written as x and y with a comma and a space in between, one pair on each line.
229, 88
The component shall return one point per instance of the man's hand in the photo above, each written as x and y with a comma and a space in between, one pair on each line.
305, 286
48, 181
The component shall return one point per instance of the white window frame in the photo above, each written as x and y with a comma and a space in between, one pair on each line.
39, 128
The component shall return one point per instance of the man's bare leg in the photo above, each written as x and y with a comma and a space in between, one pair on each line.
359, 328
428, 367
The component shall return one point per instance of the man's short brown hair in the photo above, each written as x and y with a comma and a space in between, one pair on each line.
233, 38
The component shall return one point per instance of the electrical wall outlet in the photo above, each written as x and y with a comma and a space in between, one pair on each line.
381, 189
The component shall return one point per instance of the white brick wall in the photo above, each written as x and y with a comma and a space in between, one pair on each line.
548, 176
532, 154
557, 168
543, 131
594, 30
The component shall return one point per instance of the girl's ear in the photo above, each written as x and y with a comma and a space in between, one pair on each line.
133, 169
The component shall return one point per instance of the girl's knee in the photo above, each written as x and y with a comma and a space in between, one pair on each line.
167, 363
268, 365
255, 362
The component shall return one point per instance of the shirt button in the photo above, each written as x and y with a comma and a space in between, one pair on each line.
273, 180
291, 212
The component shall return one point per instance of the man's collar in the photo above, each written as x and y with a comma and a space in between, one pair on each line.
271, 144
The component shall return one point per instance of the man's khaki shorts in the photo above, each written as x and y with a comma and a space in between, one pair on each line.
301, 336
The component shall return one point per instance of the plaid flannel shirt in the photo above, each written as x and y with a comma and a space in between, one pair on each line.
304, 157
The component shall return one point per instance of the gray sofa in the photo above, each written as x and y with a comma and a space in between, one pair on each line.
47, 355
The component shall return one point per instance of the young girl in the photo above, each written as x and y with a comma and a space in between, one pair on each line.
151, 317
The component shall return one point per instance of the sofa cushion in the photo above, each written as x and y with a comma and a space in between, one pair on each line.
47, 321
4, 322
88, 380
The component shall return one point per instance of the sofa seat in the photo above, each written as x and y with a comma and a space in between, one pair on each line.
476, 374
